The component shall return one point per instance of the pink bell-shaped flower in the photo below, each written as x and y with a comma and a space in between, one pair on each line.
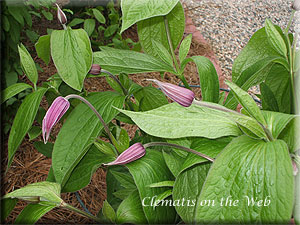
133, 153
182, 96
95, 69
58, 108
61, 15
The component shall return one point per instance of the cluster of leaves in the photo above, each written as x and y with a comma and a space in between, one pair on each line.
252, 149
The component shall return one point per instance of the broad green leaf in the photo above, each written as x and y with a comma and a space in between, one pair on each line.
257, 175
155, 29
268, 99
82, 173
185, 47
46, 191
47, 15
150, 98
72, 55
13, 90
167, 183
34, 132
108, 212
276, 121
45, 149
291, 134
42, 48
105, 147
130, 211
110, 30
253, 64
275, 38
122, 140
98, 15
32, 213
28, 64
21, 126
188, 186
278, 80
247, 102
89, 26
75, 22
173, 161
134, 11
125, 61
7, 205
209, 147
160, 199
209, 79
162, 52
124, 193
175, 121
16, 12
80, 130
148, 170
125, 179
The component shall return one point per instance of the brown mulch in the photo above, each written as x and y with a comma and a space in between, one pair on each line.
30, 166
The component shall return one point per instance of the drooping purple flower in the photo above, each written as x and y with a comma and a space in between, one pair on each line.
58, 108
95, 69
296, 5
133, 153
182, 96
61, 15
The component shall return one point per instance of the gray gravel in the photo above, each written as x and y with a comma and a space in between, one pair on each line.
228, 24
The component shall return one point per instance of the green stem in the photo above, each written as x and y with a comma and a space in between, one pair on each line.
111, 137
178, 147
289, 23
67, 206
125, 92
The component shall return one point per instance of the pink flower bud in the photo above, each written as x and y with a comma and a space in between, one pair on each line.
133, 153
182, 96
58, 108
95, 69
295, 168
296, 5
61, 15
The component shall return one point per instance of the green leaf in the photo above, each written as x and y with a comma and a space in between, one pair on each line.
185, 47
175, 121
210, 147
5, 23
27, 17
16, 12
32, 213
291, 133
124, 179
247, 102
33, 36
110, 30
188, 186
75, 22
46, 191
130, 211
21, 126
125, 61
209, 79
167, 183
279, 81
42, 48
13, 90
7, 205
72, 55
160, 199
275, 38
80, 130
89, 26
122, 140
253, 169
133, 11
268, 98
108, 212
28, 64
124, 193
45, 149
104, 147
173, 161
154, 29
276, 121
34, 132
162, 52
148, 170
47, 15
98, 15
82, 173
150, 98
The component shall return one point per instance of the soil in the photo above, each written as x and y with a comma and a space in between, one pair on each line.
30, 166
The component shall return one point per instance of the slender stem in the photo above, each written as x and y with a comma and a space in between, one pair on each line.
178, 147
67, 206
64, 26
289, 23
112, 139
115, 79
208, 105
